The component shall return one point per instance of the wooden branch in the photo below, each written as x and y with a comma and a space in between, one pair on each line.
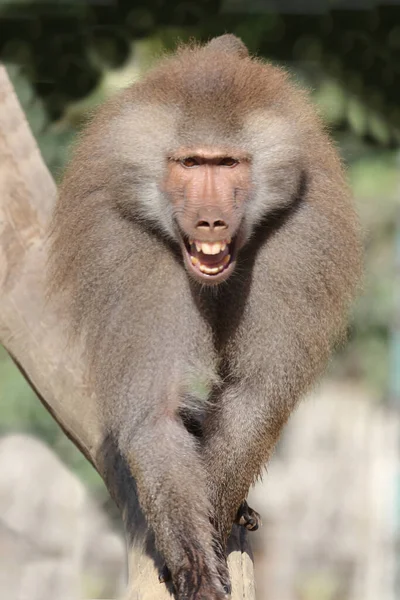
32, 333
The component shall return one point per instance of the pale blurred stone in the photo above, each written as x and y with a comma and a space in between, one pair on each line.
53, 539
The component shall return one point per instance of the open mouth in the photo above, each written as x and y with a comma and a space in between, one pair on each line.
211, 262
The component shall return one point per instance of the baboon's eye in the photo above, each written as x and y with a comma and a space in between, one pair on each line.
189, 162
228, 161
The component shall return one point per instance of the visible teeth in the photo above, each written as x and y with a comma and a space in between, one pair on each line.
210, 271
213, 248
227, 258
195, 261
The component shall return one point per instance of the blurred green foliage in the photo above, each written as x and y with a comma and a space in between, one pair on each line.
21, 410
65, 58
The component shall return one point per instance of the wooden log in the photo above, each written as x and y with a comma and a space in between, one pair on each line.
32, 332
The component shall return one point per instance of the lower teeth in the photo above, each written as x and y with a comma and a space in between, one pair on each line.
210, 271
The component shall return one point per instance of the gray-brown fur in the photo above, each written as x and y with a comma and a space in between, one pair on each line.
155, 338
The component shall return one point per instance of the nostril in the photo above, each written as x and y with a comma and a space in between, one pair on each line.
203, 225
220, 225
211, 222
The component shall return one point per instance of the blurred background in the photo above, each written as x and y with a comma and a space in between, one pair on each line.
330, 499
